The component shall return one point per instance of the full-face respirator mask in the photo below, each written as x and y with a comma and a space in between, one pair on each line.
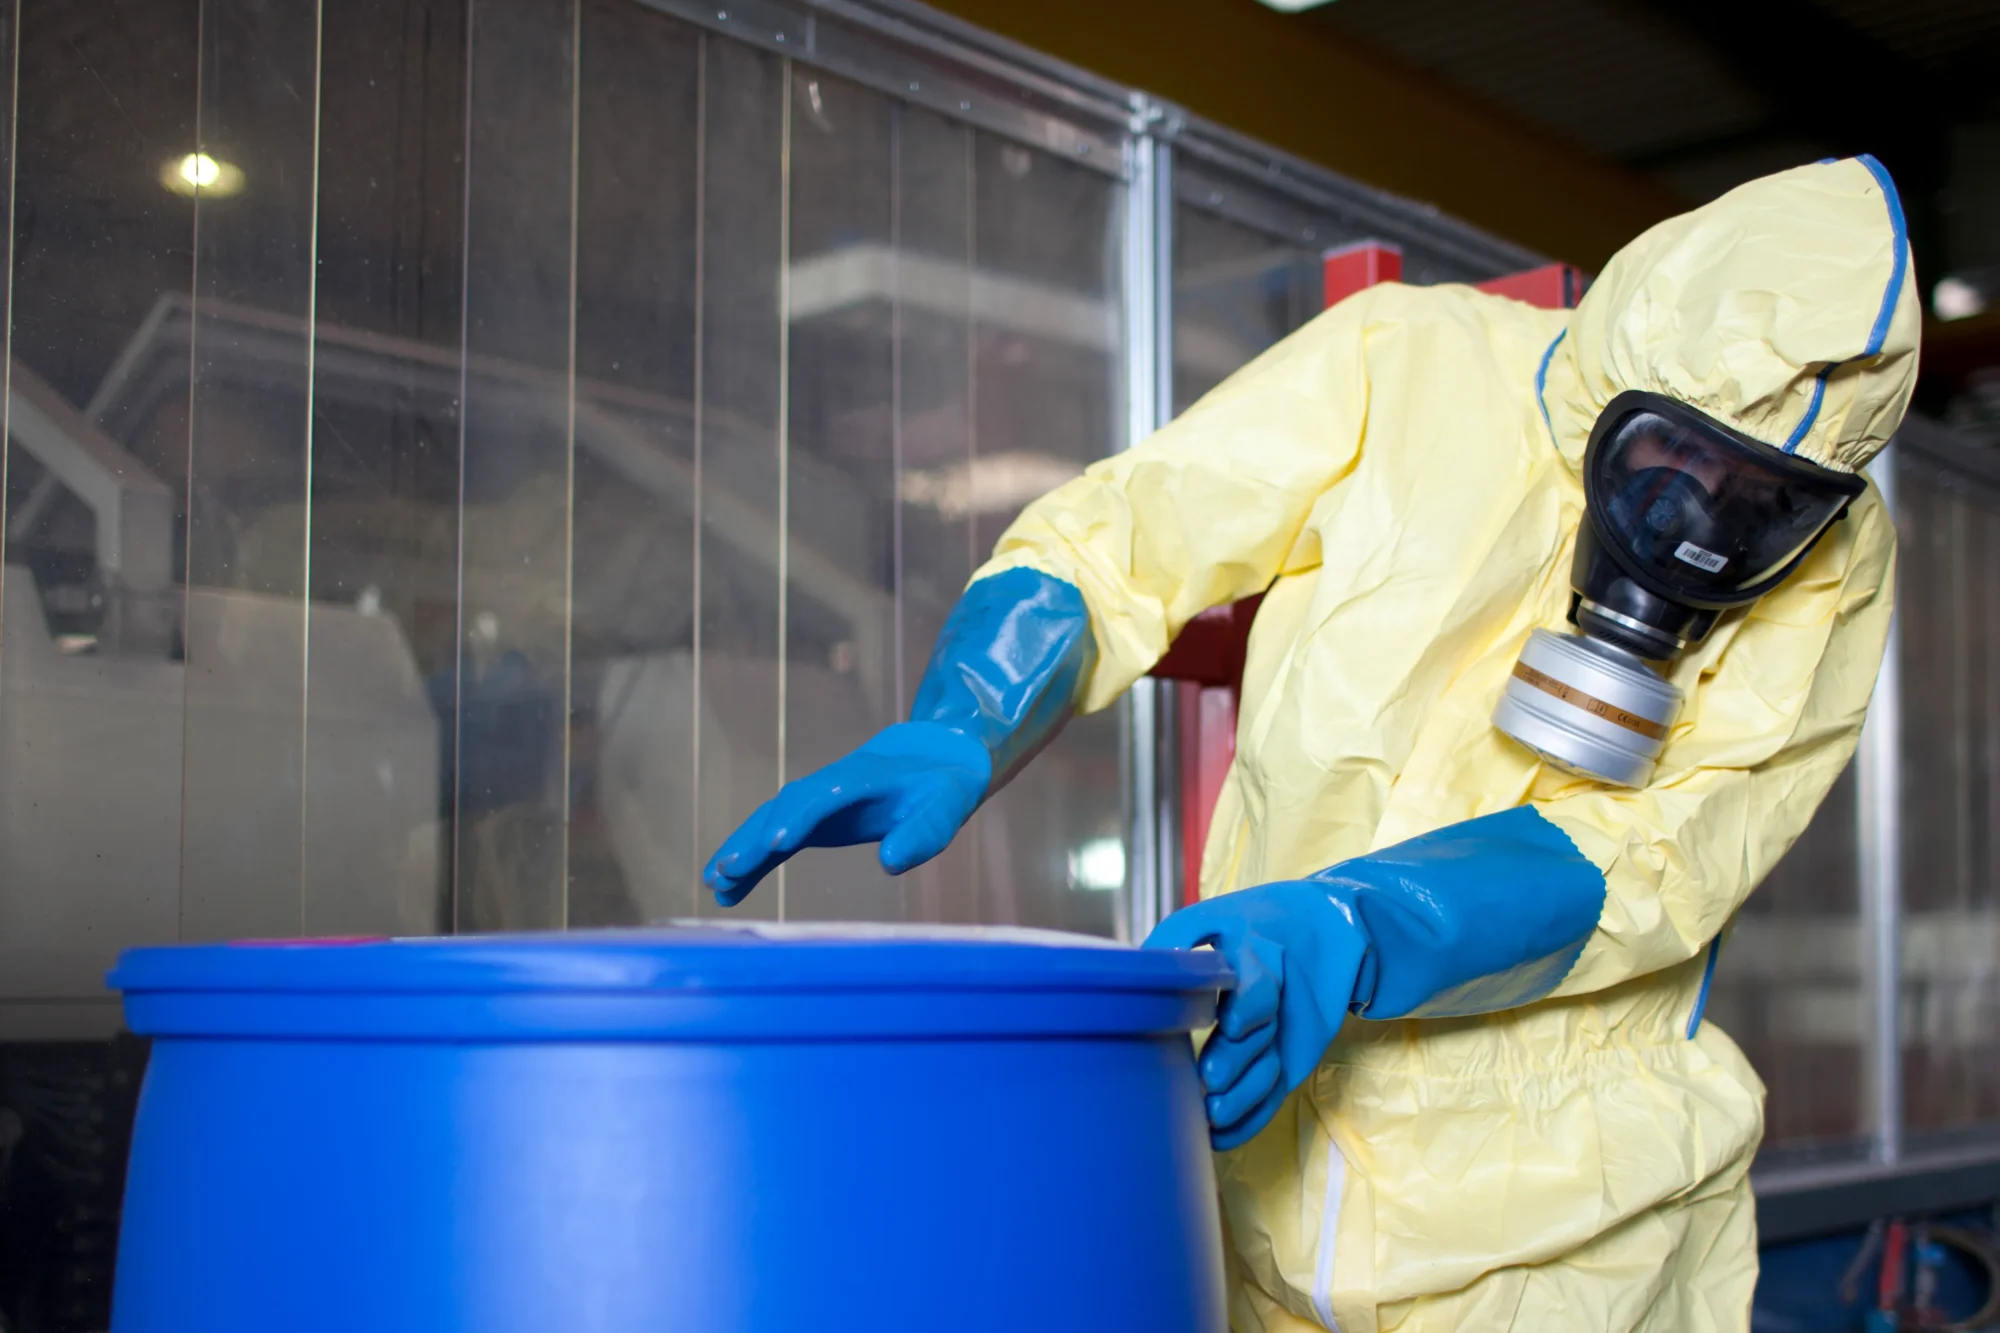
1684, 519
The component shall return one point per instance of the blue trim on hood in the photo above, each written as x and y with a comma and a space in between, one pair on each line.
1542, 384
1797, 437
1878, 334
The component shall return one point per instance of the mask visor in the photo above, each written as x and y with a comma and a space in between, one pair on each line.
1707, 515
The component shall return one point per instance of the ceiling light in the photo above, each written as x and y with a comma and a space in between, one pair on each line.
200, 174
1098, 866
1294, 6
1955, 298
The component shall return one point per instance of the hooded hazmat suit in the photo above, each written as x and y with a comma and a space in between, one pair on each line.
1402, 476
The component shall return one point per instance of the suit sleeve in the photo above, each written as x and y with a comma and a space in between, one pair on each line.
1212, 509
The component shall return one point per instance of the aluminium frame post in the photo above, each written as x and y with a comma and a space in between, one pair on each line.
1878, 828
1146, 310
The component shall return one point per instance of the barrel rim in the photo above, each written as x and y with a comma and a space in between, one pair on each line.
658, 961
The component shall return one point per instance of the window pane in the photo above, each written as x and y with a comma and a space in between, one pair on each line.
1949, 622
1790, 986
934, 406
835, 448
1236, 292
91, 678
737, 689
91, 681
632, 626
1046, 252
382, 651
513, 687
249, 460
842, 669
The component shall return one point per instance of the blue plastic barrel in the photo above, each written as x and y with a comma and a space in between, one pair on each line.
679, 1129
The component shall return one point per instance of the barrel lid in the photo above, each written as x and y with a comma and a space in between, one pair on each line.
690, 979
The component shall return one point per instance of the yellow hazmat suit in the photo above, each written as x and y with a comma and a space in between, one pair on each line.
1402, 475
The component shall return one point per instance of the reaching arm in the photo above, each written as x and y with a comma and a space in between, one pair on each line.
1000, 683
1214, 507
1083, 595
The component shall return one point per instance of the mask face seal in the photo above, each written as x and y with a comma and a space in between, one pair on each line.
1685, 519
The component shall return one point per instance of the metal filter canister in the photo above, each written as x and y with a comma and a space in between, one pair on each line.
1588, 707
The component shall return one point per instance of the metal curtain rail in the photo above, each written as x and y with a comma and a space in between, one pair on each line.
1322, 196
921, 58
933, 60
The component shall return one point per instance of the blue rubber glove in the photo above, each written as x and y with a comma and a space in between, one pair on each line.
911, 788
1000, 684
1471, 919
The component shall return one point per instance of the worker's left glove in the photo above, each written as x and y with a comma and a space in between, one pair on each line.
1481, 916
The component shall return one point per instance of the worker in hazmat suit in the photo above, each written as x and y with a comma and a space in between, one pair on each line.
1571, 618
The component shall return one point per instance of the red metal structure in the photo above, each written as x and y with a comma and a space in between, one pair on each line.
1206, 661
1352, 267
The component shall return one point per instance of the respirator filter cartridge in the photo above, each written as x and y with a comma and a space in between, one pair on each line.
1588, 707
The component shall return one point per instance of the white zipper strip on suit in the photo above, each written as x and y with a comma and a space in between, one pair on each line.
1329, 1231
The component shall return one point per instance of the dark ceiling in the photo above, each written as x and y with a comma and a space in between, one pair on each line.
1703, 94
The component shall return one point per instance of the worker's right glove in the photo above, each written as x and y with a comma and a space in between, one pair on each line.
910, 788
1473, 918
1000, 684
